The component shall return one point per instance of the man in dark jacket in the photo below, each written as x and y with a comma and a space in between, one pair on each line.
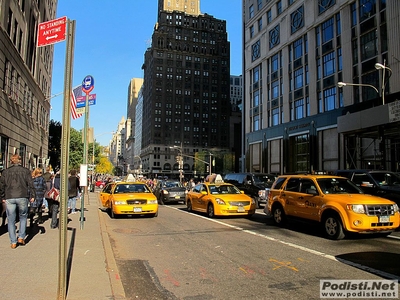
16, 185
73, 190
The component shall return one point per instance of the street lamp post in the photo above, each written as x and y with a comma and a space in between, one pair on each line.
180, 161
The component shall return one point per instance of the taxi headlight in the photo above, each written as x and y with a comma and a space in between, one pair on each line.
120, 202
395, 208
357, 208
220, 201
152, 201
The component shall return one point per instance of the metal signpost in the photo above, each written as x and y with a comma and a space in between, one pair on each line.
87, 87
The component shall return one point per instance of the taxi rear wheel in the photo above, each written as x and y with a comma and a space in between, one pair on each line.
278, 215
210, 210
333, 227
189, 206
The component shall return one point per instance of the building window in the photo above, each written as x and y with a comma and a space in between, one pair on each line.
269, 16
329, 64
274, 37
255, 51
297, 19
299, 109
323, 5
275, 63
327, 31
259, 24
329, 99
298, 78
256, 123
290, 2
251, 31
256, 98
259, 4
275, 117
275, 89
279, 7
251, 11
298, 49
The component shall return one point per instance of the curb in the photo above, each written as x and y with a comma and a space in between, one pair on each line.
112, 269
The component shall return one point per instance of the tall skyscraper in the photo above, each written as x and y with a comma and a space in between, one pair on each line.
186, 89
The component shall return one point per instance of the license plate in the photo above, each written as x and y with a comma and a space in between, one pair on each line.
137, 209
177, 197
384, 219
241, 209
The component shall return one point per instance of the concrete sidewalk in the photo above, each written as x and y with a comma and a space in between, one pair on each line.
31, 271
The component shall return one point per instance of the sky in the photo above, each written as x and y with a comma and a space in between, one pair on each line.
111, 38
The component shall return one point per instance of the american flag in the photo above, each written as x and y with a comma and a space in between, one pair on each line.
77, 92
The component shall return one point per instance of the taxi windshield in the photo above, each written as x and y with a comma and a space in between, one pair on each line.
338, 186
223, 189
131, 188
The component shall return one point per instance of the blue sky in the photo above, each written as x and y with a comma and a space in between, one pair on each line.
111, 38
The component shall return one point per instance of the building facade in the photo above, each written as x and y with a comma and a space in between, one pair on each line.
186, 106
321, 85
134, 88
25, 81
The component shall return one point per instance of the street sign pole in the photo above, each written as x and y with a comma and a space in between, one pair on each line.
87, 87
65, 138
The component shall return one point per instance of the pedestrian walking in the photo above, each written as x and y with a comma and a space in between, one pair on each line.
48, 175
73, 190
54, 204
36, 206
16, 185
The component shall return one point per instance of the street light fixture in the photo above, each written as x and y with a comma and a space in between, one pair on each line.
342, 84
383, 67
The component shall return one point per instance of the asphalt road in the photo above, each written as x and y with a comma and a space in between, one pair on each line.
181, 255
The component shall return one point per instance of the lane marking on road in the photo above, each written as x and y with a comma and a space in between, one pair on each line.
289, 244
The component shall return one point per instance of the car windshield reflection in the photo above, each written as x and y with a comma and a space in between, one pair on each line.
338, 186
386, 178
172, 184
223, 189
131, 188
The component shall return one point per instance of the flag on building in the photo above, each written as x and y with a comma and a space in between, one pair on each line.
76, 92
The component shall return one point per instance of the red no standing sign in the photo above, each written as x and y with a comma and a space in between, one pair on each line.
52, 32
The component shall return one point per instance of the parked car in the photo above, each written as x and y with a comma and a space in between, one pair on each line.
334, 202
380, 183
219, 199
100, 183
129, 198
255, 185
168, 191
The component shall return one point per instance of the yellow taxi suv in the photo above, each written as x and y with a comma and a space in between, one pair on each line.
219, 199
334, 202
129, 198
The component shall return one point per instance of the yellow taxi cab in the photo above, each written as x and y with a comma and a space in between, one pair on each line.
129, 198
334, 202
217, 198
